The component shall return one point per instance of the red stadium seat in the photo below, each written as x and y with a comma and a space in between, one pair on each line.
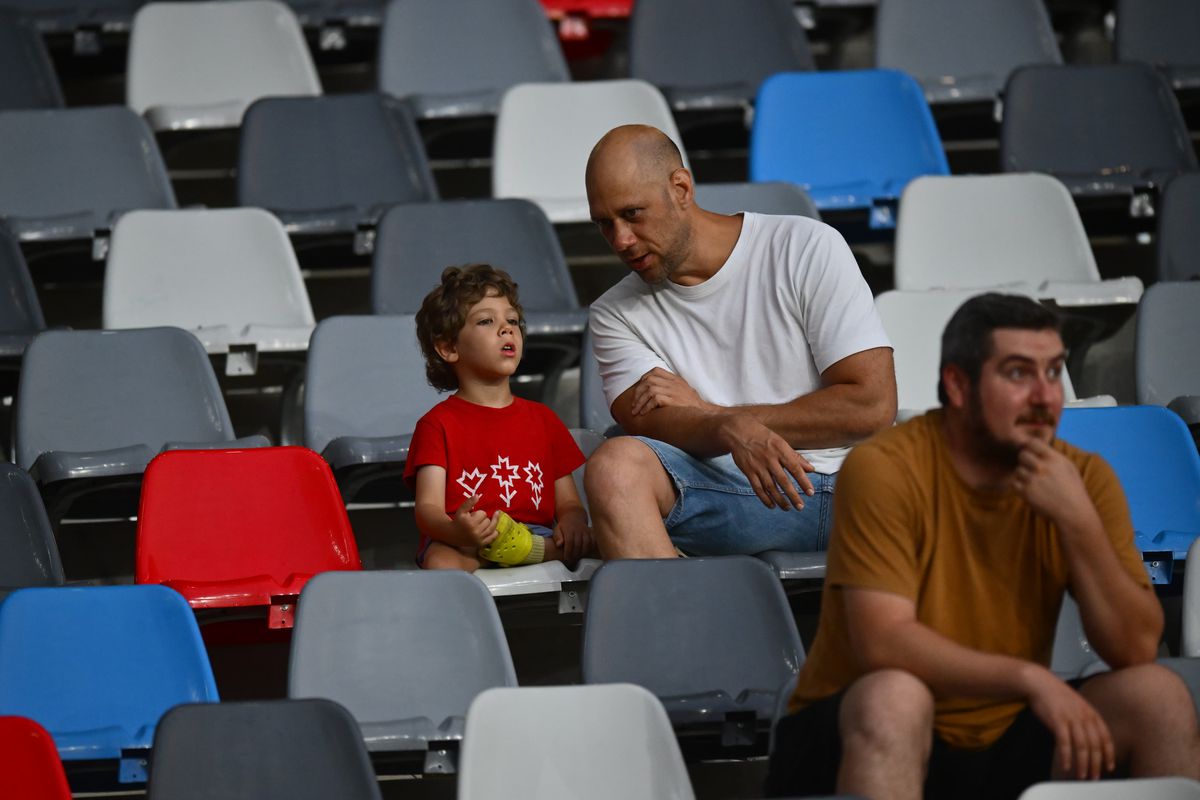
238, 528
31, 765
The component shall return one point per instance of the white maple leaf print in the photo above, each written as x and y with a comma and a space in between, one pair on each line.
533, 476
506, 474
465, 480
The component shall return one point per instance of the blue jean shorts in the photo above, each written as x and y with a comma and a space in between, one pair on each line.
716, 512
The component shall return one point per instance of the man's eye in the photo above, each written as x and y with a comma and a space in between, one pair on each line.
1054, 373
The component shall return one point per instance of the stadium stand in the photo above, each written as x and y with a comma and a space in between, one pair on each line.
769, 197
32, 767
1160, 32
1166, 362
20, 311
28, 551
1178, 243
27, 78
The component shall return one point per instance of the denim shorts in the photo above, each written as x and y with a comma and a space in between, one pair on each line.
717, 513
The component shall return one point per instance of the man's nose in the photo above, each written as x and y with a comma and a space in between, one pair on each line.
623, 237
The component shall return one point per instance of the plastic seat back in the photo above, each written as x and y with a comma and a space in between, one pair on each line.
1101, 129
32, 767
990, 230
200, 64
356, 643
20, 312
1162, 33
88, 14
98, 666
457, 57
594, 411
775, 197
1144, 788
726, 618
93, 391
1167, 363
27, 78
545, 131
822, 131
709, 53
268, 750
28, 550
71, 172
329, 164
231, 528
963, 52
583, 742
1189, 640
1178, 241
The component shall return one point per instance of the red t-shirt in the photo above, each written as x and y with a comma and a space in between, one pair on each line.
509, 456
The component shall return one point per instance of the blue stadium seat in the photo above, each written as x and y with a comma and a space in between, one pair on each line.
98, 666
852, 139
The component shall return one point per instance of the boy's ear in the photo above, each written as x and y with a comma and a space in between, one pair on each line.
446, 350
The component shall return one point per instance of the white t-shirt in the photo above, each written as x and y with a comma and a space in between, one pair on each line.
788, 303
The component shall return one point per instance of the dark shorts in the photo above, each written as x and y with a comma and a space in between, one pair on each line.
808, 751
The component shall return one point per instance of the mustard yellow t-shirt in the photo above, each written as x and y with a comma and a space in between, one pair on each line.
982, 567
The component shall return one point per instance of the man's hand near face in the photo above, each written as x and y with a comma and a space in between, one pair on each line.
1052, 485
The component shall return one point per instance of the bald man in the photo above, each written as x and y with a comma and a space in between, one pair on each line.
744, 354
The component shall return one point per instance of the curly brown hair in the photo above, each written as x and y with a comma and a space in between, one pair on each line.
444, 312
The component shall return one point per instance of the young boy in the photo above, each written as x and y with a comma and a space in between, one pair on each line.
483, 451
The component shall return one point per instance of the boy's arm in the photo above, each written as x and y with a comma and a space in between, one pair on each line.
571, 531
467, 528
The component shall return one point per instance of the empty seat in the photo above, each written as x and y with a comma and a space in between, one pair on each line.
200, 64
456, 58
726, 618
775, 197
545, 131
20, 312
69, 173
1189, 643
272, 750
1178, 239
583, 742
1162, 33
405, 652
710, 53
331, 164
32, 768
822, 131
27, 78
1102, 129
963, 52
95, 406
1143, 788
98, 666
28, 550
239, 528
1167, 364
227, 275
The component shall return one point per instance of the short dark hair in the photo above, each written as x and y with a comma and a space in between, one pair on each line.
444, 312
967, 340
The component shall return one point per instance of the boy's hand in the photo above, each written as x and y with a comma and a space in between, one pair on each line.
574, 538
476, 525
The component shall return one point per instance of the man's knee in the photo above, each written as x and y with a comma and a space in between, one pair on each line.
1147, 697
623, 466
887, 709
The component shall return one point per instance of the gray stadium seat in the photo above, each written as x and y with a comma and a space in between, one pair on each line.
20, 312
1101, 129
71, 172
331, 164
1166, 362
1189, 644
27, 78
769, 197
404, 651
455, 58
706, 54
28, 551
594, 412
1178, 238
726, 618
266, 750
1121, 789
963, 52
1072, 655
79, 15
1162, 33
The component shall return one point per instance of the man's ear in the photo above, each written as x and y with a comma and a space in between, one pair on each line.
957, 385
682, 188
446, 350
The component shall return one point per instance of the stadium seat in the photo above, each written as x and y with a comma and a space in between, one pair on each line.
454, 58
823, 131
1189, 670
327, 15
98, 666
32, 768
20, 312
706, 54
227, 275
93, 407
1156, 461
27, 78
266, 750
594, 412
963, 52
1142, 788
28, 550
364, 391
545, 131
405, 652
1162, 33
331, 164
1105, 129
1072, 655
1190, 640
78, 16
774, 197
1178, 240
1167, 364
726, 618
1015, 231
195, 65
70, 173
583, 742
242, 528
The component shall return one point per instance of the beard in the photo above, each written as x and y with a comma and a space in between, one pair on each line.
674, 255
991, 448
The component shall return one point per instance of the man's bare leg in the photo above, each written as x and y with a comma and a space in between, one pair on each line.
629, 494
1152, 719
886, 724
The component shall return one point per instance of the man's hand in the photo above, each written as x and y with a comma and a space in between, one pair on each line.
1052, 485
1083, 743
767, 460
574, 537
475, 525
659, 388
